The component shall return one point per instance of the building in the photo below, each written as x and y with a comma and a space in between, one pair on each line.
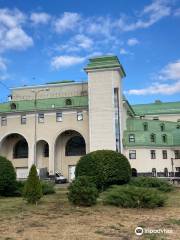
52, 125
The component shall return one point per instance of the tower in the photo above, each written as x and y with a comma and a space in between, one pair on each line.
105, 102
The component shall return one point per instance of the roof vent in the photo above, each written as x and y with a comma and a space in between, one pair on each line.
158, 101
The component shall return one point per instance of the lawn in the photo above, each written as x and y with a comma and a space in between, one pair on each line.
54, 218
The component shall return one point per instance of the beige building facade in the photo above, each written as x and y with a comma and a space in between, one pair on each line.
54, 124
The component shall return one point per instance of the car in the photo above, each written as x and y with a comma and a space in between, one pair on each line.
59, 178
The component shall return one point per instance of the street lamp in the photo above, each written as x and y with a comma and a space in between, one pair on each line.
36, 92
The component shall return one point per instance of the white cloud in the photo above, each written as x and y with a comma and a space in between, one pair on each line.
124, 51
3, 66
40, 18
151, 14
170, 72
66, 61
12, 35
68, 21
132, 41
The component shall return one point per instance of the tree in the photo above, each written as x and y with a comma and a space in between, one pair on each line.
105, 168
33, 189
8, 184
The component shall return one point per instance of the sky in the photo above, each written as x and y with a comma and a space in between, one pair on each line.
43, 41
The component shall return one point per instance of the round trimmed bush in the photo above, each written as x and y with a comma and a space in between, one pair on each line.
8, 184
128, 196
82, 192
105, 168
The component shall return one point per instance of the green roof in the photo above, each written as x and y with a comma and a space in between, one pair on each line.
44, 104
142, 138
105, 62
58, 82
157, 108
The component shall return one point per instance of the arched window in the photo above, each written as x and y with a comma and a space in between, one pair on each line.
134, 172
46, 150
162, 127
153, 138
153, 172
145, 126
20, 149
13, 106
68, 101
75, 146
164, 138
165, 172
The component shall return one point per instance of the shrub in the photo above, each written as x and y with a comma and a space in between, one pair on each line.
47, 188
82, 192
105, 167
7, 178
32, 189
133, 197
149, 182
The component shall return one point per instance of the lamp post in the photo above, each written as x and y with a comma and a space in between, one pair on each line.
36, 92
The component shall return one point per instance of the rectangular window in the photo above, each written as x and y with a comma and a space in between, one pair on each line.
177, 154
41, 117
153, 154
131, 138
59, 117
3, 121
79, 116
155, 118
164, 154
132, 154
23, 119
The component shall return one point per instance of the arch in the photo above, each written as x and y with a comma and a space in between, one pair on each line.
13, 106
164, 138
42, 154
20, 149
134, 172
65, 154
145, 126
162, 127
75, 146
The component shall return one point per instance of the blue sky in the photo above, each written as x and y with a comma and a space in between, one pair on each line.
43, 41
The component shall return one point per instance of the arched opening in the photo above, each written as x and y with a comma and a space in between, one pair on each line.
20, 149
75, 146
165, 172
134, 172
15, 148
69, 146
153, 138
42, 154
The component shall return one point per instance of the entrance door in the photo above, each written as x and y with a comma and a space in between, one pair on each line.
72, 172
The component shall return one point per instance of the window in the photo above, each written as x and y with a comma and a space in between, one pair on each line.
75, 146
23, 119
13, 106
20, 149
132, 154
131, 138
162, 127
154, 172
164, 138
164, 154
177, 154
46, 150
41, 117
165, 172
153, 138
155, 118
145, 126
59, 117
68, 101
3, 121
153, 154
79, 116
